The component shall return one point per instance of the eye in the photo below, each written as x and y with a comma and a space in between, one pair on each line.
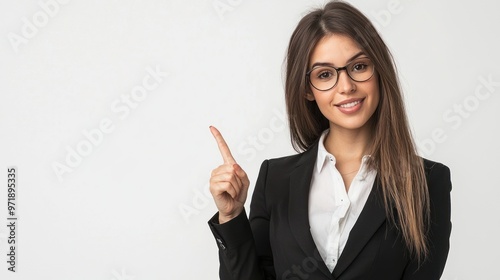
359, 67
324, 74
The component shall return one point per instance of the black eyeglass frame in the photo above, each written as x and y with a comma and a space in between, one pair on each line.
337, 70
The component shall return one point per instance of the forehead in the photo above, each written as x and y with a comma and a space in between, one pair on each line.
335, 49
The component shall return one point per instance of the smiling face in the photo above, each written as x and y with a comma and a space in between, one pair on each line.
349, 104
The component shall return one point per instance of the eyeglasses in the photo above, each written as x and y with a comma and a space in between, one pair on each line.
325, 77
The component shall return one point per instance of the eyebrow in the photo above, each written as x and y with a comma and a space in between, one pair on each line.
330, 64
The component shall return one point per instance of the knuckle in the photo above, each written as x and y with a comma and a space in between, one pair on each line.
231, 176
224, 186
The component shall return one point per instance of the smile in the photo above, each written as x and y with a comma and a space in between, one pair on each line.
351, 104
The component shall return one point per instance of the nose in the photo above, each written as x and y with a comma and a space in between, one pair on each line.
345, 85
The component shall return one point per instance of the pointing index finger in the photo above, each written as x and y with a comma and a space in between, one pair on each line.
223, 148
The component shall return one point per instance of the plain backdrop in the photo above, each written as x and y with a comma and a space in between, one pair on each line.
105, 108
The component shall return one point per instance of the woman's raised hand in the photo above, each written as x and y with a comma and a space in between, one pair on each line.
228, 183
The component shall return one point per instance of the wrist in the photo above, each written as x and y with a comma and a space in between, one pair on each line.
226, 218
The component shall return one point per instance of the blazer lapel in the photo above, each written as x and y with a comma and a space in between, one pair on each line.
371, 218
298, 217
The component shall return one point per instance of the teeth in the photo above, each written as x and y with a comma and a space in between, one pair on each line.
349, 105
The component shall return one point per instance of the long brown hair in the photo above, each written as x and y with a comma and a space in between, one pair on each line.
394, 156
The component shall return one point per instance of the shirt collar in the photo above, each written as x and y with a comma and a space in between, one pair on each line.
324, 156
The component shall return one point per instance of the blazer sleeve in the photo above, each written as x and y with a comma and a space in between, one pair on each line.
439, 185
244, 250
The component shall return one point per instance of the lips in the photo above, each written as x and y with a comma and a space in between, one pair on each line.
350, 106
349, 103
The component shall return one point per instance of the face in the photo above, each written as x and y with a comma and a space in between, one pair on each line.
349, 104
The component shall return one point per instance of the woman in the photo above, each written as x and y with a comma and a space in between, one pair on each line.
358, 202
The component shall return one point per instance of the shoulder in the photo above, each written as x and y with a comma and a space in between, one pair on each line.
438, 176
430, 165
279, 168
307, 157
290, 160
433, 168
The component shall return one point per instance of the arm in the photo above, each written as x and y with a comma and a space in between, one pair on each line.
439, 184
237, 256
244, 250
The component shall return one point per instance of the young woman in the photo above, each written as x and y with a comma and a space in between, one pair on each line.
357, 202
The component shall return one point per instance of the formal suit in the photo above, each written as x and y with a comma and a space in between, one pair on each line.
275, 242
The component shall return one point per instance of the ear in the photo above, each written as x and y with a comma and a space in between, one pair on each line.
309, 96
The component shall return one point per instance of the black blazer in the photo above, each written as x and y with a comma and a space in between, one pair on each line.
276, 242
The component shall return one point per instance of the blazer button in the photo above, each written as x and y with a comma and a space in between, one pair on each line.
221, 245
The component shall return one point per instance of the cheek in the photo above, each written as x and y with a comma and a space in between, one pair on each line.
323, 101
376, 97
375, 92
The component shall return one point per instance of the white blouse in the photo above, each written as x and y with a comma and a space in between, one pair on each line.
333, 211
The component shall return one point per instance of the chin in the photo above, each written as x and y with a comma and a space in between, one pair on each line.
354, 125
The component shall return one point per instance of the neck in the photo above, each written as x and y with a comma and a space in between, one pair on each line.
348, 144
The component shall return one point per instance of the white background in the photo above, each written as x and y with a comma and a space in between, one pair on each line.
135, 205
